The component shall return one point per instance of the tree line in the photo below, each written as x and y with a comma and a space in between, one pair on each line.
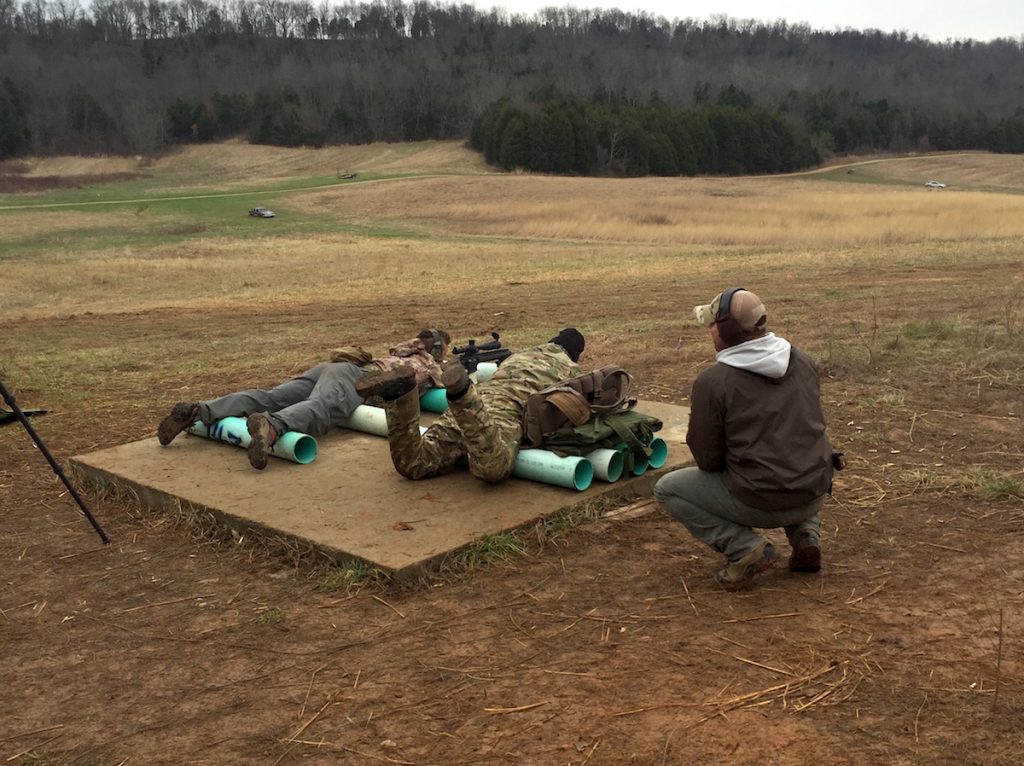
624, 139
139, 76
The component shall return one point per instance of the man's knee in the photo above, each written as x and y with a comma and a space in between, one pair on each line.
674, 484
493, 472
409, 466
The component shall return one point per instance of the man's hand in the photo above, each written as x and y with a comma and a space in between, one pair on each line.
838, 461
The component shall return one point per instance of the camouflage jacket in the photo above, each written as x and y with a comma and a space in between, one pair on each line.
522, 374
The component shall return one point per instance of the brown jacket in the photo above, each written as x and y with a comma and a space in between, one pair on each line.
766, 434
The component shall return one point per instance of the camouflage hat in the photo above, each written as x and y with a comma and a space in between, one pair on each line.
745, 308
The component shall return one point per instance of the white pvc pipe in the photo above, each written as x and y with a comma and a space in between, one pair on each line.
485, 371
369, 420
608, 464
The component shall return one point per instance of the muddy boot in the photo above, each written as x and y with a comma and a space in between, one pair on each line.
741, 572
388, 385
455, 380
262, 436
183, 415
806, 556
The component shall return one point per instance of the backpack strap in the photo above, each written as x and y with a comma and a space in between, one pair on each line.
636, 447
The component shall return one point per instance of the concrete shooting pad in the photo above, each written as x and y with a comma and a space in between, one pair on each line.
350, 502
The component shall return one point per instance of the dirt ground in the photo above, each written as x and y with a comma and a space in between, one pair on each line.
608, 644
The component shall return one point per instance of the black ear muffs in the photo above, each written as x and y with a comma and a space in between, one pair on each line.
725, 302
728, 329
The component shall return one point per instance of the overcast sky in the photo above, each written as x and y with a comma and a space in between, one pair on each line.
937, 20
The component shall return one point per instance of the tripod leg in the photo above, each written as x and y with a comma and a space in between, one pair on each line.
9, 399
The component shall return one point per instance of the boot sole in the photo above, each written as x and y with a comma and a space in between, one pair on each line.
174, 424
390, 384
258, 446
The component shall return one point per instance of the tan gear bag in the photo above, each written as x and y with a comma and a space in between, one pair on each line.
357, 355
575, 401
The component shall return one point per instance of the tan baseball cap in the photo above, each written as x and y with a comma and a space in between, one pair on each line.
742, 305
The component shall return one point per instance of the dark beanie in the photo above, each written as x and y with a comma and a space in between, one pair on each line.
572, 341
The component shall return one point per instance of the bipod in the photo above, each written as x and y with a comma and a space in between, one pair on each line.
9, 399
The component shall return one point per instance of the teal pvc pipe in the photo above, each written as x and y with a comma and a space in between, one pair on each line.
659, 453
608, 464
639, 465
547, 467
291, 445
435, 400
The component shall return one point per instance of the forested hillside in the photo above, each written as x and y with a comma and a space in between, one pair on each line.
130, 76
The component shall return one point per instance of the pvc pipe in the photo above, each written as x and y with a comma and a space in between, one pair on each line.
291, 445
659, 453
371, 420
639, 464
434, 400
607, 463
549, 468
485, 371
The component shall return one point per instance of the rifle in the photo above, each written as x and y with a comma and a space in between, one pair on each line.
473, 353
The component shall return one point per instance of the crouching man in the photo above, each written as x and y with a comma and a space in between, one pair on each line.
484, 423
757, 434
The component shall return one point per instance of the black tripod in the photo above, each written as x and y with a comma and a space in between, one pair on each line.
9, 399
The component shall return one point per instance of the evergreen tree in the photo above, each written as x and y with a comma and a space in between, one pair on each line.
14, 131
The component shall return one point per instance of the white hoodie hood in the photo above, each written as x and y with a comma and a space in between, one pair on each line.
768, 356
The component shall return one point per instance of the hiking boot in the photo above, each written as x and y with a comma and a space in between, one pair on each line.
183, 415
455, 380
741, 572
389, 385
806, 556
262, 436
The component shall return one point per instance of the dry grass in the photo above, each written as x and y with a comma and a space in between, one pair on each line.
34, 167
29, 223
961, 170
749, 212
425, 236
243, 163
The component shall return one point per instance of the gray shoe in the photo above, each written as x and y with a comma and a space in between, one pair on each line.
741, 572
806, 556
262, 436
183, 415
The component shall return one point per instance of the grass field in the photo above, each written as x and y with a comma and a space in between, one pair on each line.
120, 297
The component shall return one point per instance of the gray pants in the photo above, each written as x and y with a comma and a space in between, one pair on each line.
311, 403
702, 502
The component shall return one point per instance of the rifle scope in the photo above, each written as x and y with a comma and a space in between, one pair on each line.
472, 347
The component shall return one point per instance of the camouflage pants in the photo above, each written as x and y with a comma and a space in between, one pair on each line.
469, 429
311, 403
